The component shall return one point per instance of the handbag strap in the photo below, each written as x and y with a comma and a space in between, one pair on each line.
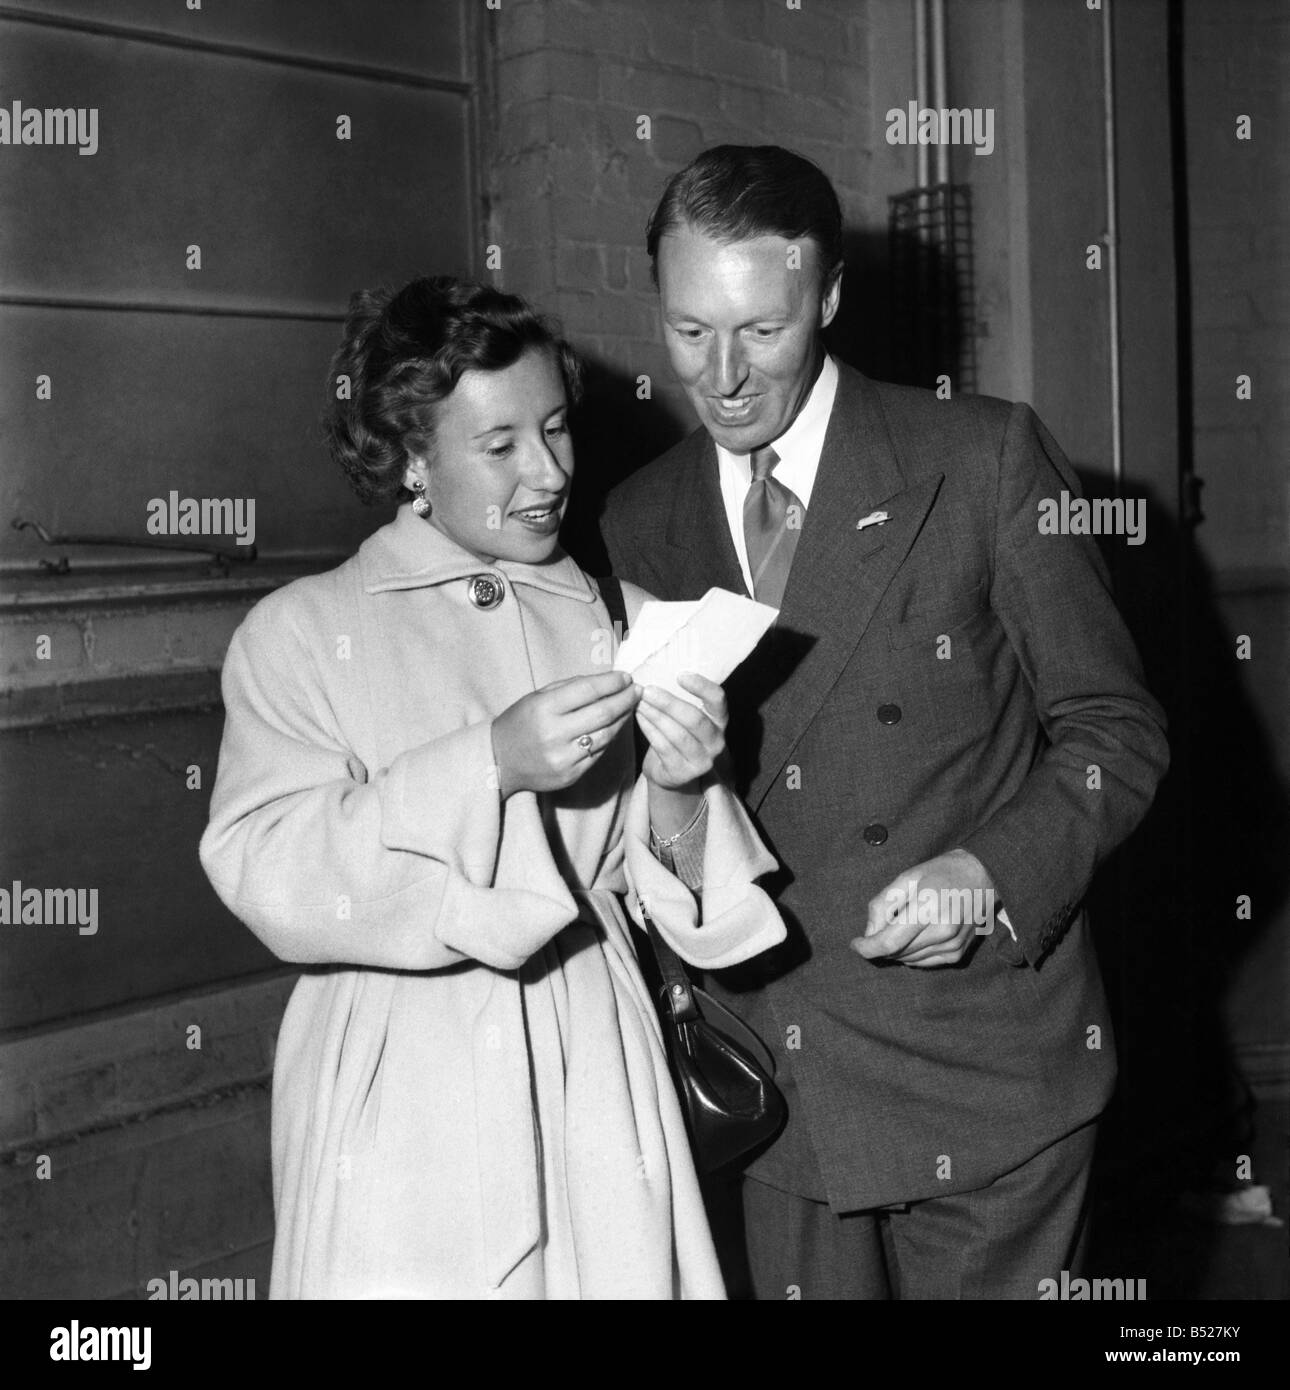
611, 593
676, 989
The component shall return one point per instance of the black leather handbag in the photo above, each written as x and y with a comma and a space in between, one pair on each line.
723, 1073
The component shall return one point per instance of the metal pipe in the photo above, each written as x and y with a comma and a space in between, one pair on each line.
940, 87
1112, 240
920, 85
226, 552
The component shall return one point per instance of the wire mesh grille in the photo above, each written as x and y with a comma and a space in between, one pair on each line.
933, 297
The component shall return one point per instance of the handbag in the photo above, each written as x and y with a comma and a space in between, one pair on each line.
722, 1071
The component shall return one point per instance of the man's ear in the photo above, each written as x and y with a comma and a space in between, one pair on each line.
832, 296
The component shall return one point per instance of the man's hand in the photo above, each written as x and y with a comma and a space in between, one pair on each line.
923, 917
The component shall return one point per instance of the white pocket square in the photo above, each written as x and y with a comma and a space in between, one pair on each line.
873, 519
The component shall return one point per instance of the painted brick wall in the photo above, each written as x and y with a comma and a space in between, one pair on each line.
572, 184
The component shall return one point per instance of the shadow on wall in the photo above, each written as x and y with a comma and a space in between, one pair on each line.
905, 328
1164, 911
615, 433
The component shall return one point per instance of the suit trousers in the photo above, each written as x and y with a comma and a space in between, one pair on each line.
997, 1242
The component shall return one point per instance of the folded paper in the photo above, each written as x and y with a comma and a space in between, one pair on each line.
709, 636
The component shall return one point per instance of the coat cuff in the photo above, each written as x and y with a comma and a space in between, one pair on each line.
733, 919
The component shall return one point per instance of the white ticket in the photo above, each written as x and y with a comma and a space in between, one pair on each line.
709, 636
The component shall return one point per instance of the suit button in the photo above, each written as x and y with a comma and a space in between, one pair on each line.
485, 590
889, 714
875, 834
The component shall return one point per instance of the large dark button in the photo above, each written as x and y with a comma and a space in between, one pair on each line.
485, 590
888, 714
875, 834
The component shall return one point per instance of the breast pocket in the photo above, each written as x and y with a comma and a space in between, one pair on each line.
929, 625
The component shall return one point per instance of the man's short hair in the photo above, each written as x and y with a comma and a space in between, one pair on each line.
737, 192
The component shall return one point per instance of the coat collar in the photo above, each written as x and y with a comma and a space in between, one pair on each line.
409, 553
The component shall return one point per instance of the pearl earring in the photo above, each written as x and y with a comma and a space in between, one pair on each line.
420, 503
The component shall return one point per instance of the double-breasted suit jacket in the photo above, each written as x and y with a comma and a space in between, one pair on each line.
949, 677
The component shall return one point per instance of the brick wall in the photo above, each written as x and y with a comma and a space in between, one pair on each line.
572, 184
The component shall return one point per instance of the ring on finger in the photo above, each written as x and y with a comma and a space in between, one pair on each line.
584, 741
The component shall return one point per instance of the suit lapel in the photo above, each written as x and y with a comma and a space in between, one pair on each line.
697, 532
839, 573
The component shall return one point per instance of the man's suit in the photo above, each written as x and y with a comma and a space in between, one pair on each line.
948, 677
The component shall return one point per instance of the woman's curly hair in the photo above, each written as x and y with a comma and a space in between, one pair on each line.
404, 353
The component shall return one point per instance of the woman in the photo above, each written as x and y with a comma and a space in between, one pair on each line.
426, 790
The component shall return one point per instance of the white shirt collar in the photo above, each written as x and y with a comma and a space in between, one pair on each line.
799, 449
800, 445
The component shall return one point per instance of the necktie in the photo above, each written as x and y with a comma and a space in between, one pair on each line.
773, 516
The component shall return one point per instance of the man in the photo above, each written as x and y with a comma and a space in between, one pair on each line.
948, 711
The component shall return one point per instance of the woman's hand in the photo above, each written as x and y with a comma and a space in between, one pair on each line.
535, 740
684, 742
